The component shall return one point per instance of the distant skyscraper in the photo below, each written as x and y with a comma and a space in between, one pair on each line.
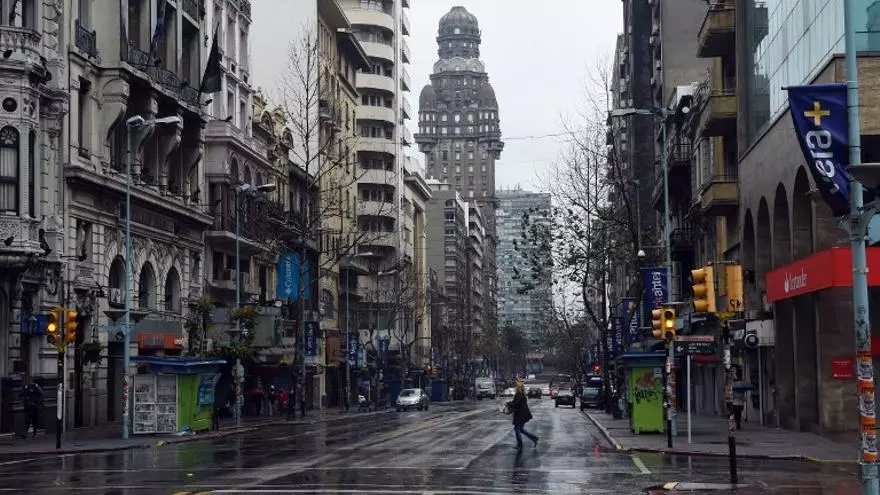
459, 130
527, 311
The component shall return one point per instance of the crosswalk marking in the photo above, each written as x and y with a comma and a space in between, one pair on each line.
640, 464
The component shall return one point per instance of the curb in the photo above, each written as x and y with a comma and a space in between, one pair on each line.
230, 431
696, 453
608, 438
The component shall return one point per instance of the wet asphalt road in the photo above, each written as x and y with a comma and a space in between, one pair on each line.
460, 449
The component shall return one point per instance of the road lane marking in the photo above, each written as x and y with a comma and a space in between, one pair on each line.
640, 464
19, 461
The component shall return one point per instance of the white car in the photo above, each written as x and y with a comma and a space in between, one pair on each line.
412, 398
508, 392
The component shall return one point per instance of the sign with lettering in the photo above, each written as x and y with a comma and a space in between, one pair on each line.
656, 280
289, 277
821, 124
842, 368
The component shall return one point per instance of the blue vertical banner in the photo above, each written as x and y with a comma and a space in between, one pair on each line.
289, 278
821, 124
656, 280
353, 341
633, 319
312, 330
384, 344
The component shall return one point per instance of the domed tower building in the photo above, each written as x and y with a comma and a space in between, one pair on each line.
459, 134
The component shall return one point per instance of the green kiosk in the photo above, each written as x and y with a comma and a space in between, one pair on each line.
644, 380
173, 394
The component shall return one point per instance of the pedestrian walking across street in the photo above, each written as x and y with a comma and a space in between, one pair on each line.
519, 408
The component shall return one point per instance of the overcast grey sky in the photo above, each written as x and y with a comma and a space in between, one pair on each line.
537, 54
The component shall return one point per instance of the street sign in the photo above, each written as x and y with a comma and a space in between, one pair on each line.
695, 345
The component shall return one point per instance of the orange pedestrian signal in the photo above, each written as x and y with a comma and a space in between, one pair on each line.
70, 326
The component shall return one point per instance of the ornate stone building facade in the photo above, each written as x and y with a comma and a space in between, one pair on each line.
459, 130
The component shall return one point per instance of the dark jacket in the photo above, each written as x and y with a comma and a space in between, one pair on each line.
519, 408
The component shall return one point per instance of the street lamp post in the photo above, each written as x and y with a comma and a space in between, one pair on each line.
858, 221
348, 324
662, 113
239, 369
132, 124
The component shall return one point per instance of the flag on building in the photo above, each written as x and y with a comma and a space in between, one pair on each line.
821, 124
159, 32
212, 80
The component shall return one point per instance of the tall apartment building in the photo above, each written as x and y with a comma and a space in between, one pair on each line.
475, 307
526, 310
448, 229
778, 231
632, 136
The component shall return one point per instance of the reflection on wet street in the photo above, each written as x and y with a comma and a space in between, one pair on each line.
464, 449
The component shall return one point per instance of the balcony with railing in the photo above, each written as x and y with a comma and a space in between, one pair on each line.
86, 41
193, 8
717, 106
166, 79
720, 194
717, 35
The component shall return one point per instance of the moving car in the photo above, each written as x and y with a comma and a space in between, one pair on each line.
508, 392
534, 393
412, 398
565, 397
485, 388
592, 397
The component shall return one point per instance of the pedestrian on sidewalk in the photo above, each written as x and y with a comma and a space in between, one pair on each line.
301, 396
32, 398
291, 404
519, 408
283, 397
273, 399
739, 403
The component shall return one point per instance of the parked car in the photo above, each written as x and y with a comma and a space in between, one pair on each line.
565, 397
411, 398
546, 391
592, 397
508, 392
534, 393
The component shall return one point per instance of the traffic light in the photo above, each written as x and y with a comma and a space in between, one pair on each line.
704, 289
53, 322
657, 323
734, 288
70, 324
668, 323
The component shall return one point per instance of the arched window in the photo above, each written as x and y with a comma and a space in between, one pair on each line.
32, 172
233, 170
172, 291
147, 287
9, 169
247, 175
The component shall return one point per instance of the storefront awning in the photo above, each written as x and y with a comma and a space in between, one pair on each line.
819, 271
178, 365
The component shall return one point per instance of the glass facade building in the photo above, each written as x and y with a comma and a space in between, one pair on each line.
525, 309
789, 41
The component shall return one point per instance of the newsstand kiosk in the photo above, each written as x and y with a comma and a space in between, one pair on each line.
173, 394
644, 378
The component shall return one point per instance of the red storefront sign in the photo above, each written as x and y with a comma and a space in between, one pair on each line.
160, 341
819, 271
842, 368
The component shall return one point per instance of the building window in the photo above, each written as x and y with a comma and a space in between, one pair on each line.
443, 117
32, 172
458, 155
9, 169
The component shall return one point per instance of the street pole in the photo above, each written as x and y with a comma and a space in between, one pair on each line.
126, 350
668, 389
347, 387
59, 406
668, 242
239, 376
861, 320
689, 396
728, 398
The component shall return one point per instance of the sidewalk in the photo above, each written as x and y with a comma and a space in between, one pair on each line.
108, 437
709, 436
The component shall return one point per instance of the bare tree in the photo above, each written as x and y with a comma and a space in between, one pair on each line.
323, 215
594, 224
